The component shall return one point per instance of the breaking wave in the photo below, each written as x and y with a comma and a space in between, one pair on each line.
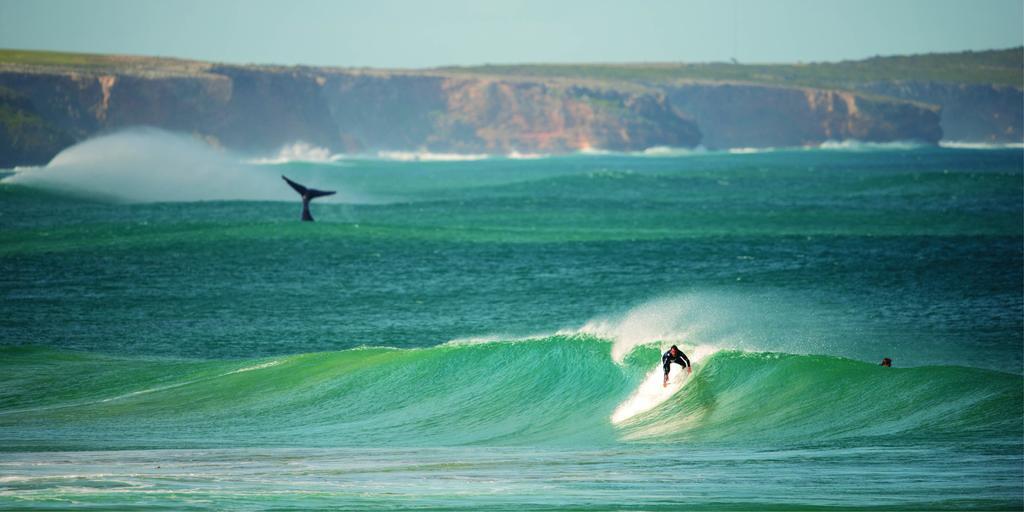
562, 390
980, 145
856, 145
427, 156
300, 152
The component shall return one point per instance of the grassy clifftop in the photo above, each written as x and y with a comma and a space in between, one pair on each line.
1002, 67
32, 60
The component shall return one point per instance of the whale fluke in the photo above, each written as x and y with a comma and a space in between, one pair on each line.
308, 194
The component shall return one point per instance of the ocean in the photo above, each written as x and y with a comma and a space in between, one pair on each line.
485, 333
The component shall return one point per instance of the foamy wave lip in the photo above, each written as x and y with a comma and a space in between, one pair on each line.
749, 151
261, 366
496, 338
299, 152
668, 320
426, 156
857, 145
589, 150
670, 151
677, 319
516, 155
954, 144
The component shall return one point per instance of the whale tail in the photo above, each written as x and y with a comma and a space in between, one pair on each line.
308, 194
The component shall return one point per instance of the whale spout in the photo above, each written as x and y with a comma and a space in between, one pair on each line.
308, 194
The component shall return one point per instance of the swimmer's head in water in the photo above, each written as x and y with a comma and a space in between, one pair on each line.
886, 362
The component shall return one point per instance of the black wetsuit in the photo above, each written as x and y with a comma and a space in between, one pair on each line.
681, 360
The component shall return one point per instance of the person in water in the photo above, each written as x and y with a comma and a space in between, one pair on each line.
674, 355
886, 362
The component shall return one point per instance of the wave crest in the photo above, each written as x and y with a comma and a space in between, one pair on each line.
299, 152
427, 156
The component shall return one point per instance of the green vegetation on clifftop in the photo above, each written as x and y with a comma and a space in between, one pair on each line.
1003, 67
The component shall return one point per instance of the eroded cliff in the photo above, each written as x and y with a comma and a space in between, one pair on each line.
970, 112
262, 108
751, 115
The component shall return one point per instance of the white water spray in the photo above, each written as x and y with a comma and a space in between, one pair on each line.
151, 165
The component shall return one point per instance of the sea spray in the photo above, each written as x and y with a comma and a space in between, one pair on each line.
701, 319
150, 165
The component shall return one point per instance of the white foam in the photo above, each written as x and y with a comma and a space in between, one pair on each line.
954, 144
299, 152
652, 393
671, 319
145, 165
588, 150
254, 367
670, 151
426, 156
150, 390
152, 165
748, 151
496, 338
693, 319
516, 155
857, 145
194, 381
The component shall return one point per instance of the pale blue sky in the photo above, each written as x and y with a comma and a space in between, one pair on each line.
408, 33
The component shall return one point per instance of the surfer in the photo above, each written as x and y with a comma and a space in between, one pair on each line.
886, 362
674, 355
308, 194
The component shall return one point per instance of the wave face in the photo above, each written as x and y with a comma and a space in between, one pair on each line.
560, 390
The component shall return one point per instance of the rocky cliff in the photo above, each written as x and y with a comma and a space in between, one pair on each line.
374, 111
979, 95
262, 109
751, 115
970, 112
46, 107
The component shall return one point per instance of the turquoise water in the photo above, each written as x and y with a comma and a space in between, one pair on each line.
486, 334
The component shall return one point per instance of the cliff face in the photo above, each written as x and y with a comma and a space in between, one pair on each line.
395, 111
262, 109
480, 115
746, 115
25, 137
388, 112
970, 112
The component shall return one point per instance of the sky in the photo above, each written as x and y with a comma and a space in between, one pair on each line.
421, 33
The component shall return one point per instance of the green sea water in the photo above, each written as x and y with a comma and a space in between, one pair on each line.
486, 334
